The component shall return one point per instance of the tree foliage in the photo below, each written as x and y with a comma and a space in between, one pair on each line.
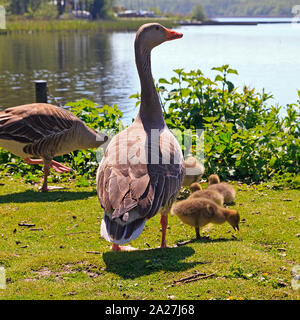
97, 8
245, 137
217, 7
198, 13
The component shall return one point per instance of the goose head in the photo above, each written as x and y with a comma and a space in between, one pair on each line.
213, 179
195, 187
234, 219
102, 139
151, 35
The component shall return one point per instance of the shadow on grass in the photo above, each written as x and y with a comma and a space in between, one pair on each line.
205, 240
134, 264
54, 196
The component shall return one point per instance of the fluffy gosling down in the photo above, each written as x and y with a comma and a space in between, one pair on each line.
213, 195
198, 212
223, 188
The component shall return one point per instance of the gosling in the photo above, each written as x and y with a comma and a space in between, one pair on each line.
197, 192
224, 188
196, 186
198, 212
194, 171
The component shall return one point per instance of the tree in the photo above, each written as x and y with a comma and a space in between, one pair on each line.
61, 7
96, 9
4, 3
18, 6
21, 7
198, 13
100, 8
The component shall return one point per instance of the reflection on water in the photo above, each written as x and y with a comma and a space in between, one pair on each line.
75, 66
101, 67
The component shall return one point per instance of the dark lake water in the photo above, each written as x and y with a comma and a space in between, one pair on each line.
101, 67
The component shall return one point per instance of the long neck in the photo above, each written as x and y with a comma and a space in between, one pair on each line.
150, 110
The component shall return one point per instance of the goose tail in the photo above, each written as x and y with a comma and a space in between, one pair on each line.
117, 233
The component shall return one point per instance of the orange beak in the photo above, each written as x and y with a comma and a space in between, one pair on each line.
172, 35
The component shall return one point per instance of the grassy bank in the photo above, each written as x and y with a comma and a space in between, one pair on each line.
61, 256
81, 25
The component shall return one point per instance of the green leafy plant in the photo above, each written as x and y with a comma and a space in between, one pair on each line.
105, 119
245, 137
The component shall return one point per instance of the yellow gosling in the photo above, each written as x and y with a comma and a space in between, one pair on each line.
224, 188
198, 212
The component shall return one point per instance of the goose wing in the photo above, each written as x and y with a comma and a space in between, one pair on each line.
131, 186
33, 122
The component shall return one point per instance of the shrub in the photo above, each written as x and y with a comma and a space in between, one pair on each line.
198, 13
105, 119
45, 11
245, 138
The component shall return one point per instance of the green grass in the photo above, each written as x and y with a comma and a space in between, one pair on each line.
133, 24
54, 263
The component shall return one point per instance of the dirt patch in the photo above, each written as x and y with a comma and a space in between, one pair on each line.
92, 271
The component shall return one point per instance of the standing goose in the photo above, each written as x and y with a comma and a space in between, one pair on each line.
45, 131
142, 168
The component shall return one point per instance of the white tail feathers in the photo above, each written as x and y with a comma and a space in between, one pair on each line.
126, 235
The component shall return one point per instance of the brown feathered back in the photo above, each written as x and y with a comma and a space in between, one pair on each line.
45, 130
132, 192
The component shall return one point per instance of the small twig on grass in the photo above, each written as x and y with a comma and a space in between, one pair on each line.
72, 227
182, 243
200, 278
78, 232
94, 252
196, 277
26, 224
190, 277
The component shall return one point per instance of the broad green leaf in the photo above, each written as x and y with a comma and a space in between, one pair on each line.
162, 80
232, 71
217, 69
230, 86
219, 78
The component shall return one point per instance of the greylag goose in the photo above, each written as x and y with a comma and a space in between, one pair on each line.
224, 188
45, 131
194, 171
142, 168
198, 212
197, 192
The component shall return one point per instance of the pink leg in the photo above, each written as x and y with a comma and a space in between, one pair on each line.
47, 165
45, 186
60, 168
46, 173
117, 247
164, 225
34, 161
